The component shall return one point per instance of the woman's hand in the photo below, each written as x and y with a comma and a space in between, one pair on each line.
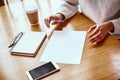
55, 19
98, 32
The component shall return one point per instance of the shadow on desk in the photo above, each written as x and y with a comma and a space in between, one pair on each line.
36, 27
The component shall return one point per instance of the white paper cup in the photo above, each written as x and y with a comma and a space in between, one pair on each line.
32, 14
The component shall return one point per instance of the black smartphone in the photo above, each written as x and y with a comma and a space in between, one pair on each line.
42, 70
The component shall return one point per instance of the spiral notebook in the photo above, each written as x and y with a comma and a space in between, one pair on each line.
29, 44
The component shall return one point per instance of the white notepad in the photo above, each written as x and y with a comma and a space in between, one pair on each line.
64, 47
29, 43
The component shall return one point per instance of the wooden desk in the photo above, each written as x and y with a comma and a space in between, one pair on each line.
101, 62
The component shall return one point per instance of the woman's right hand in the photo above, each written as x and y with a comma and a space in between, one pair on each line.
54, 18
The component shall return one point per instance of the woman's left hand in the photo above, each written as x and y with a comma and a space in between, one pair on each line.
97, 33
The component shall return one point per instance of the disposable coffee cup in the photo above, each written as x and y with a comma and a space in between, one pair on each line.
32, 14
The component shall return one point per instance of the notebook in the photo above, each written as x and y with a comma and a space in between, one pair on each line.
65, 47
29, 44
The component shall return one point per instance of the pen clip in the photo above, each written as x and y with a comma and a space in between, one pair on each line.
15, 40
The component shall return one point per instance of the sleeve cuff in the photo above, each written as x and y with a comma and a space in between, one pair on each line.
116, 24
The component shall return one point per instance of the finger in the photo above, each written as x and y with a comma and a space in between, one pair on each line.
98, 41
47, 22
53, 18
96, 38
92, 28
96, 30
94, 41
93, 33
55, 22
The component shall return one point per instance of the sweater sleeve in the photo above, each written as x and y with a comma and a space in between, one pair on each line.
116, 32
68, 8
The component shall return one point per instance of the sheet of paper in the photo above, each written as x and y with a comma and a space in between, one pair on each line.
65, 47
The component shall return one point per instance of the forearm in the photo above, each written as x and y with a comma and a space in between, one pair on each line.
68, 8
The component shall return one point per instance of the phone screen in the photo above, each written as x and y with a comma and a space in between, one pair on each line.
42, 70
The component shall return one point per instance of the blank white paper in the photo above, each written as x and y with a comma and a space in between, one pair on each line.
64, 47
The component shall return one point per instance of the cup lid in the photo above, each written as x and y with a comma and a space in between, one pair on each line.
31, 9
